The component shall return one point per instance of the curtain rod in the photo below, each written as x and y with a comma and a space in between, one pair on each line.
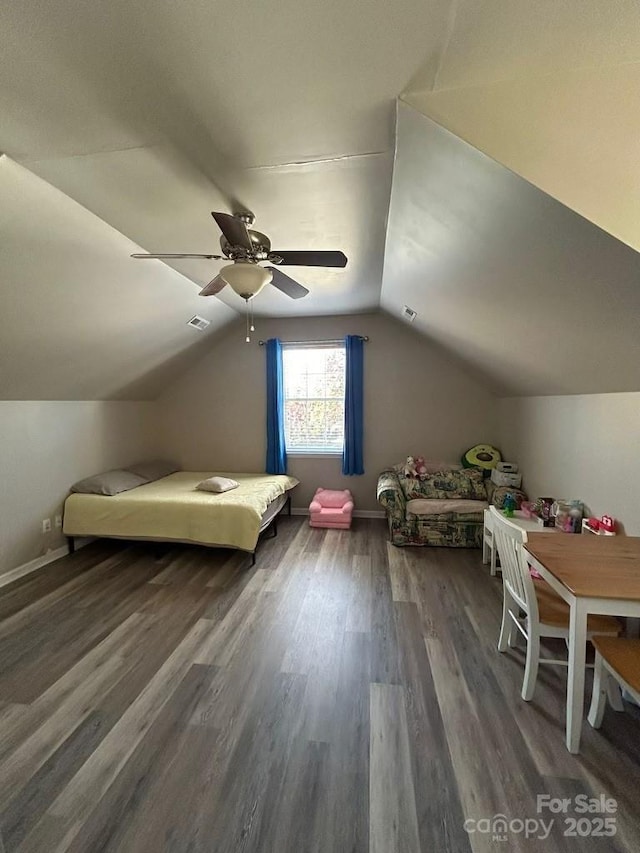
334, 341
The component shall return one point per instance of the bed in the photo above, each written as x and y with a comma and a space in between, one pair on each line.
171, 509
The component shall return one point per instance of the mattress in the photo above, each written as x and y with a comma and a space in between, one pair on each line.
173, 509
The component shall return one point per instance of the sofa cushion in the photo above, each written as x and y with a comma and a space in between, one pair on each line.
425, 506
466, 484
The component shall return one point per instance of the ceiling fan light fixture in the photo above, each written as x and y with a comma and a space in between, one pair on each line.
245, 278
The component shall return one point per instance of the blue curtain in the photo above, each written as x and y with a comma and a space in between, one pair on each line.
352, 454
276, 450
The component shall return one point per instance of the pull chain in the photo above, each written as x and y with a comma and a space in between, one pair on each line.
253, 328
247, 339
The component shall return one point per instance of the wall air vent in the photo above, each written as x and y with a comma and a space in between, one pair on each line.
409, 314
198, 323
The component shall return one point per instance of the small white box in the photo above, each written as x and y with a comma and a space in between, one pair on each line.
504, 478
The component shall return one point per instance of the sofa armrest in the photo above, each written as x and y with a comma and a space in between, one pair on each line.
315, 506
390, 495
347, 508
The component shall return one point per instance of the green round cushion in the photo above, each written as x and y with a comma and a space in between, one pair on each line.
482, 456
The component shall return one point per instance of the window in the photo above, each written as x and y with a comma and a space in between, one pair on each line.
314, 385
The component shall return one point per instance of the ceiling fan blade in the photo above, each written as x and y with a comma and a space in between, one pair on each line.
215, 286
286, 284
179, 255
234, 230
309, 259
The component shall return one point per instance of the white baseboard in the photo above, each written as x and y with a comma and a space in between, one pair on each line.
33, 565
357, 513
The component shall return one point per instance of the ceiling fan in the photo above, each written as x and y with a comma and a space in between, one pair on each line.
247, 248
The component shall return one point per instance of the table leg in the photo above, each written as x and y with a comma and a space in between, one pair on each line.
575, 675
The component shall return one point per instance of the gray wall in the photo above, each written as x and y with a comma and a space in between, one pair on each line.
416, 401
583, 446
45, 446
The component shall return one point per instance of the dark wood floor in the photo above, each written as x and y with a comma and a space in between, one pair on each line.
343, 695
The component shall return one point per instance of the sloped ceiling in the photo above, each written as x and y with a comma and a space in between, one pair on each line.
550, 89
151, 114
77, 321
540, 300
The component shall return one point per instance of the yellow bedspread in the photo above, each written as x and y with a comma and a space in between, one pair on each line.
172, 508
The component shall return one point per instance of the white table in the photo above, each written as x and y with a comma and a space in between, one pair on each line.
593, 574
489, 551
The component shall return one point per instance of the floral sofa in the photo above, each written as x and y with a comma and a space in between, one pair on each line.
444, 508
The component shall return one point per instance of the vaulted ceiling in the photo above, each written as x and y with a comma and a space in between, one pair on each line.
124, 124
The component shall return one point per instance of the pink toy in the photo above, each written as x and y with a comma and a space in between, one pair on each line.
421, 468
608, 524
331, 508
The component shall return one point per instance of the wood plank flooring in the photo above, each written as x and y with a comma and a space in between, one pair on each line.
342, 696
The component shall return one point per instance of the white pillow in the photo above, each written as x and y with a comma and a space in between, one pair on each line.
217, 484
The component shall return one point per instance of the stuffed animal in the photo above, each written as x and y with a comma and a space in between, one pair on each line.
509, 505
421, 468
482, 456
410, 467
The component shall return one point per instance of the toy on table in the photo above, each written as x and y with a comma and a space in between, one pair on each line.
567, 515
545, 511
331, 508
608, 524
499, 493
605, 526
509, 505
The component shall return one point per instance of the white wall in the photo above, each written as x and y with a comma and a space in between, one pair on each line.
585, 447
416, 401
45, 446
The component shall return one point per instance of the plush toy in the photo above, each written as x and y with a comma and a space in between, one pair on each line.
410, 467
482, 456
420, 466
500, 493
509, 505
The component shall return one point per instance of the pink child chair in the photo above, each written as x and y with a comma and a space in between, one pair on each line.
331, 508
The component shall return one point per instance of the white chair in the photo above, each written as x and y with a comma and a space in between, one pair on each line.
617, 660
545, 613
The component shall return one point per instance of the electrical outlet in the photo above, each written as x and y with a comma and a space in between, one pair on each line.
58, 521
46, 525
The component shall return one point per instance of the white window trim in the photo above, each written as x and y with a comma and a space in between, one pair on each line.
326, 453
319, 454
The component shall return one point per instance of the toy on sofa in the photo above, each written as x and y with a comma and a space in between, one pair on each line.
421, 467
331, 508
410, 467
